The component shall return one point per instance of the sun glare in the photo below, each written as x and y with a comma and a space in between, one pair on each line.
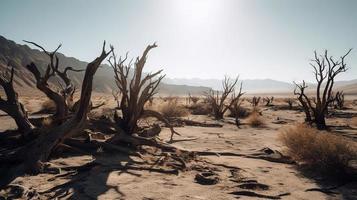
197, 11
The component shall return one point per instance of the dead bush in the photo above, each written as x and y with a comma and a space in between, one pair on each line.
318, 150
255, 119
238, 111
172, 109
200, 109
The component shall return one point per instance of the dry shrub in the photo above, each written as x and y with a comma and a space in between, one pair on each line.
48, 106
238, 111
200, 109
318, 150
172, 109
255, 119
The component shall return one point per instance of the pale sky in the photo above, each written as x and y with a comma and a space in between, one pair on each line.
197, 38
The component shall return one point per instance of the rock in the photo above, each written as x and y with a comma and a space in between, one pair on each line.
207, 178
254, 186
267, 150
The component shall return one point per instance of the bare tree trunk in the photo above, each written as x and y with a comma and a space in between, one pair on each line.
13, 107
320, 122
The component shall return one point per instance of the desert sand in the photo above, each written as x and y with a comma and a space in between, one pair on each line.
238, 176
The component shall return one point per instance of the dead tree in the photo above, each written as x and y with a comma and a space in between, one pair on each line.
62, 96
255, 101
268, 100
235, 106
194, 99
135, 92
12, 106
30, 158
326, 68
290, 103
303, 99
116, 95
218, 101
340, 100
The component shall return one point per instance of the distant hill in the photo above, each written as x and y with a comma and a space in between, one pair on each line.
21, 55
349, 89
264, 86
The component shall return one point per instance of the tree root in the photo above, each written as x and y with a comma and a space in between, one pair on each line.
326, 190
188, 122
157, 115
182, 140
150, 169
267, 157
94, 144
257, 195
323, 190
223, 165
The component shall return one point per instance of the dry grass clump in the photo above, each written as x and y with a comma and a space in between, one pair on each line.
318, 150
200, 109
48, 106
172, 109
255, 119
238, 111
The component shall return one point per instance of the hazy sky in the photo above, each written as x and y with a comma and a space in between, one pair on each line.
197, 38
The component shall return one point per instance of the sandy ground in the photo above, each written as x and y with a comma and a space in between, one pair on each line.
107, 183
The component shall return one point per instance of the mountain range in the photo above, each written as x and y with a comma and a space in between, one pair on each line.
21, 55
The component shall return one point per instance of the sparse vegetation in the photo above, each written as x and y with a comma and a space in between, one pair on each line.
172, 109
290, 103
254, 101
123, 130
217, 101
200, 108
268, 100
317, 149
238, 111
255, 119
193, 99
